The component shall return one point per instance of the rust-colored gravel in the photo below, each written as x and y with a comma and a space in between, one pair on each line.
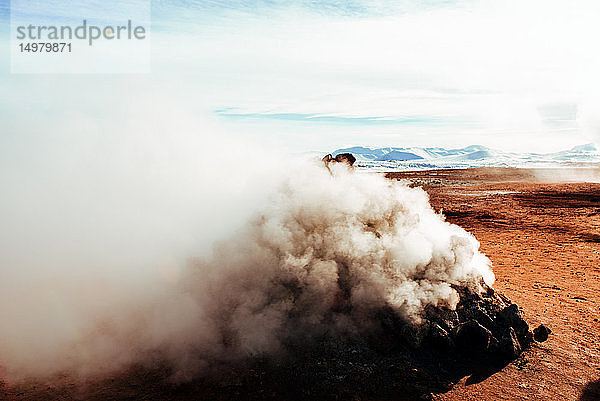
543, 239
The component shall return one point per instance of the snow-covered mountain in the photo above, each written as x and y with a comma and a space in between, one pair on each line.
402, 154
470, 156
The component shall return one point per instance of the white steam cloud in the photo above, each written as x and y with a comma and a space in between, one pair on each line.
320, 252
133, 238
326, 252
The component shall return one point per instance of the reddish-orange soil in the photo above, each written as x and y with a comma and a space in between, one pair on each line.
543, 239
541, 230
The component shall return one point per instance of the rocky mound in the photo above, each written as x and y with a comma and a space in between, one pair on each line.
388, 353
396, 361
393, 357
369, 295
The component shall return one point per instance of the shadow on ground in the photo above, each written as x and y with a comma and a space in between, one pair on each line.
591, 392
344, 371
393, 360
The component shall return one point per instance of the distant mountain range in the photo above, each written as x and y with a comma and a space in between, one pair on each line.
470, 156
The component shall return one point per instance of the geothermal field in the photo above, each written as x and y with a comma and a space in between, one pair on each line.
349, 285
540, 228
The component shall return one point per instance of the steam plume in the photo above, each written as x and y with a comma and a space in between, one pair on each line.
326, 252
323, 252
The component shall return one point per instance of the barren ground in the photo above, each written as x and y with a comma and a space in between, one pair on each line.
543, 238
542, 234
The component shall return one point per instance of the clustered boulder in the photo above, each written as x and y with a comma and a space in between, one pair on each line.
485, 325
403, 360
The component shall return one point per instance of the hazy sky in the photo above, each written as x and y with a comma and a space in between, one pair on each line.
310, 75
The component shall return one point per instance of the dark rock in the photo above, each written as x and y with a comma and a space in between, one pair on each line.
439, 339
511, 316
540, 334
509, 346
483, 318
445, 318
471, 337
327, 159
413, 335
347, 158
